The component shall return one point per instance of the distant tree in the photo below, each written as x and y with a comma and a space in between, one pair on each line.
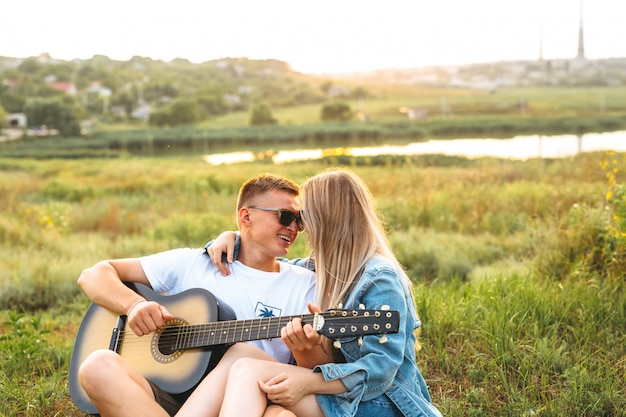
54, 114
12, 102
326, 86
178, 112
336, 111
125, 99
159, 118
48, 91
183, 112
304, 94
30, 66
62, 71
261, 114
359, 93
212, 104
158, 91
85, 74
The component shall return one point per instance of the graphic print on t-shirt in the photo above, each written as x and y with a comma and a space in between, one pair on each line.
263, 310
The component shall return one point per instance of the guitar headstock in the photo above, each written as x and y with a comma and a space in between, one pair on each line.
337, 323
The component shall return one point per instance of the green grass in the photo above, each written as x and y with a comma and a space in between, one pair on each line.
517, 267
515, 345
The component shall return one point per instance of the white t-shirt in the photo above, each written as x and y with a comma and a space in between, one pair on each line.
251, 293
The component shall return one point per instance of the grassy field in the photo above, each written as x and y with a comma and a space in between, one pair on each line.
517, 267
384, 104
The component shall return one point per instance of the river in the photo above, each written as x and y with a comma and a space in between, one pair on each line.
518, 147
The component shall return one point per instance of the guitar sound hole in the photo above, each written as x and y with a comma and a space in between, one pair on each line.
168, 343
168, 340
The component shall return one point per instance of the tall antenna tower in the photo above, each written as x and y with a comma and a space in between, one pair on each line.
581, 41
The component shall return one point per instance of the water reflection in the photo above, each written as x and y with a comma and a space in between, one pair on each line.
229, 158
519, 147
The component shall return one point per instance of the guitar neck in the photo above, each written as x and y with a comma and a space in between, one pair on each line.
230, 331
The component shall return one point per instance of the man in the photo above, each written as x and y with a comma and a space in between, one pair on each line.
259, 285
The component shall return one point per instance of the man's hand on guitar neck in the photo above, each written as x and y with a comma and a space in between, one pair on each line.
146, 316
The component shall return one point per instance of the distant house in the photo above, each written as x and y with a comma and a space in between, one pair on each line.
118, 111
66, 87
142, 112
45, 58
338, 91
96, 88
232, 99
414, 113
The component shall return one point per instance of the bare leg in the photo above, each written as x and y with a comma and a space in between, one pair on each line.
207, 398
243, 382
115, 388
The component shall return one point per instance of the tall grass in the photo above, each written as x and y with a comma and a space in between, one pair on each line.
518, 345
517, 267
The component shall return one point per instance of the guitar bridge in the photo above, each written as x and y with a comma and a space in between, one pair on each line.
117, 334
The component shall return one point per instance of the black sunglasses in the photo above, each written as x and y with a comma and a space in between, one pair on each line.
285, 217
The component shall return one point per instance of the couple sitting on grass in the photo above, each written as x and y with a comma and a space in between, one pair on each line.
303, 373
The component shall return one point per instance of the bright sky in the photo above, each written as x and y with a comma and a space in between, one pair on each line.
321, 36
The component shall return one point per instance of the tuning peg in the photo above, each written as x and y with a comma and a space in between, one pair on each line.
383, 339
337, 344
384, 307
362, 306
360, 341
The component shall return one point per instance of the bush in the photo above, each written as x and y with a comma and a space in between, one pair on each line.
261, 114
337, 111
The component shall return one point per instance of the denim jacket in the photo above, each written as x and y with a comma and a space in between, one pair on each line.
374, 369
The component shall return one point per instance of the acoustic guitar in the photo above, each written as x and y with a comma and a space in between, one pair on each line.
177, 356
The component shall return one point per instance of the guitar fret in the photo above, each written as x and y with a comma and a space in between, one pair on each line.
185, 335
223, 333
243, 326
233, 329
195, 337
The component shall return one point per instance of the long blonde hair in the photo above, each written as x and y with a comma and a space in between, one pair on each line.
344, 232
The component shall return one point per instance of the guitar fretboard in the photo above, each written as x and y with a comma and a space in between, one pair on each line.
226, 332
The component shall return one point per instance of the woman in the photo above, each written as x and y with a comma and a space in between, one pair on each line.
354, 268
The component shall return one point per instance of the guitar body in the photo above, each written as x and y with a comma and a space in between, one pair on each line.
176, 371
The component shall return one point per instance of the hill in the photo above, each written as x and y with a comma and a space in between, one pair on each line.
75, 98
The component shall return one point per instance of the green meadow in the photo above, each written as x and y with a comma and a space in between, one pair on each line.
518, 267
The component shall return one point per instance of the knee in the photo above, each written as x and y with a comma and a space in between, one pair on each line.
98, 370
244, 368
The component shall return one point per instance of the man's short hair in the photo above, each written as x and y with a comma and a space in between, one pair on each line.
262, 184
